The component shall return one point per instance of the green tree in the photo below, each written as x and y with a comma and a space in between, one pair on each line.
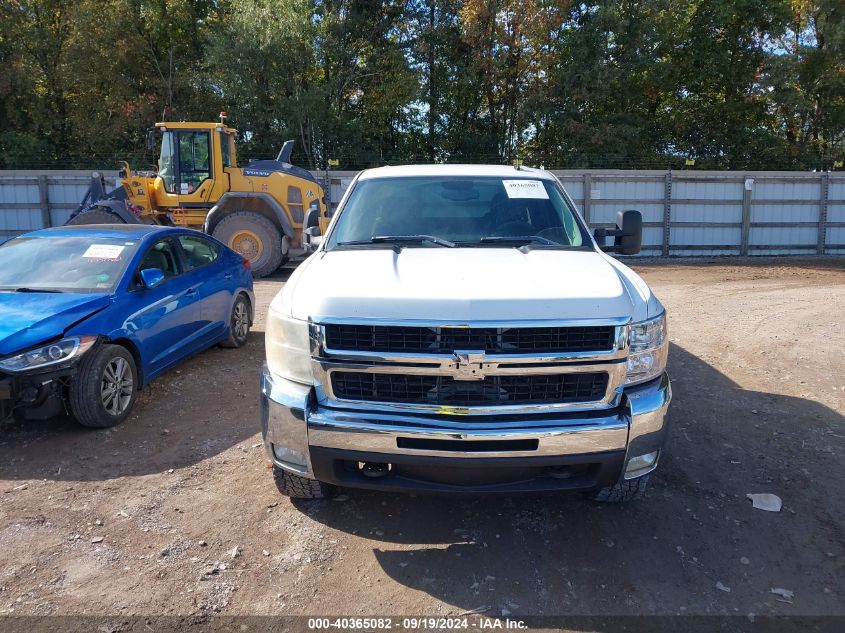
608, 87
627, 83
804, 81
261, 62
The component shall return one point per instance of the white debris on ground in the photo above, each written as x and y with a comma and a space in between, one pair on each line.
765, 501
786, 594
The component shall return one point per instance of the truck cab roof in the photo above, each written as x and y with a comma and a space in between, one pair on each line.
498, 171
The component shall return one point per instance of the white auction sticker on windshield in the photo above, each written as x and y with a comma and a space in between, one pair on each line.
525, 189
104, 251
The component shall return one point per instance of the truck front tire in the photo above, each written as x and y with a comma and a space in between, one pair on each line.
255, 237
625, 490
297, 487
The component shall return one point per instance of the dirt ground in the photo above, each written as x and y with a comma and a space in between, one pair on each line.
175, 512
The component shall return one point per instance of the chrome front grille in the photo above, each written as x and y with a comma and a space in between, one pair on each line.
476, 368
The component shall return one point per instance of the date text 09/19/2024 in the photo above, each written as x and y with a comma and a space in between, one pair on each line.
415, 623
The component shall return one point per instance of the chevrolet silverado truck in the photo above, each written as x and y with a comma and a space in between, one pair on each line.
458, 329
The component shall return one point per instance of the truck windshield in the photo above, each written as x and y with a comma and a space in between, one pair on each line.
63, 264
470, 211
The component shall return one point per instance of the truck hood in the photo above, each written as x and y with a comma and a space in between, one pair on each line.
27, 319
464, 284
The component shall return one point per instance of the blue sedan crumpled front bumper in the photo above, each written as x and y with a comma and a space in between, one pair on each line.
566, 451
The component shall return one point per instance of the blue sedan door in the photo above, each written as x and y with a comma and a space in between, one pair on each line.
163, 318
207, 269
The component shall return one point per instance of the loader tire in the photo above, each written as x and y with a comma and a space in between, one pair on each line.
255, 237
297, 487
96, 215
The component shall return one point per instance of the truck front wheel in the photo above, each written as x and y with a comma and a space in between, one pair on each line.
255, 237
297, 487
625, 490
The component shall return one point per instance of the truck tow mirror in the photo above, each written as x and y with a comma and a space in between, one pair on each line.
630, 239
311, 239
312, 218
150, 140
627, 236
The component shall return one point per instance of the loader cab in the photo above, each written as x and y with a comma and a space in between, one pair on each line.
192, 164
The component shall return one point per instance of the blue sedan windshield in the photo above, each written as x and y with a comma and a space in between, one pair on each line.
64, 264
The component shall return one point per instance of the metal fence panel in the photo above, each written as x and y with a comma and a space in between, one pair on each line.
684, 212
783, 235
784, 211
608, 189
697, 212
836, 212
726, 188
705, 236
836, 238
777, 190
574, 186
604, 211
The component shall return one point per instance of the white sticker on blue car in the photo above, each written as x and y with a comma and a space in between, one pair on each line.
104, 251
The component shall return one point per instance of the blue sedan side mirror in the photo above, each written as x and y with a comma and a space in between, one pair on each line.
151, 277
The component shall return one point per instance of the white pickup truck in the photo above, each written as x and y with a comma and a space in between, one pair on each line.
458, 329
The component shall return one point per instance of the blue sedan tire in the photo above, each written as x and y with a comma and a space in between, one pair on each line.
239, 322
103, 391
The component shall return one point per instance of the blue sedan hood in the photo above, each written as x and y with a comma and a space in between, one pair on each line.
27, 319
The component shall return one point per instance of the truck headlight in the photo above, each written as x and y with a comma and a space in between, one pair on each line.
68, 350
649, 347
288, 348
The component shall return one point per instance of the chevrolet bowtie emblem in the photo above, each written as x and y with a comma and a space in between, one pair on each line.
469, 365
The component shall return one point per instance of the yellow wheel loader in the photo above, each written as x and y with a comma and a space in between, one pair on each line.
267, 211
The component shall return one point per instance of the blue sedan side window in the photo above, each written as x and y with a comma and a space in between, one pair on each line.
198, 251
162, 255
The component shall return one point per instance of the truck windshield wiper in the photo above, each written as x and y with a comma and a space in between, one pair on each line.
401, 239
517, 239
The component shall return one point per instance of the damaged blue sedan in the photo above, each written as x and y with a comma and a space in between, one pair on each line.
91, 314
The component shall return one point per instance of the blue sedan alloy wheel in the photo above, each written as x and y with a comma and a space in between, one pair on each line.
239, 323
117, 386
104, 389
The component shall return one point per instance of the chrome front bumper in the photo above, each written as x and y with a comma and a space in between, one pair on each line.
296, 431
